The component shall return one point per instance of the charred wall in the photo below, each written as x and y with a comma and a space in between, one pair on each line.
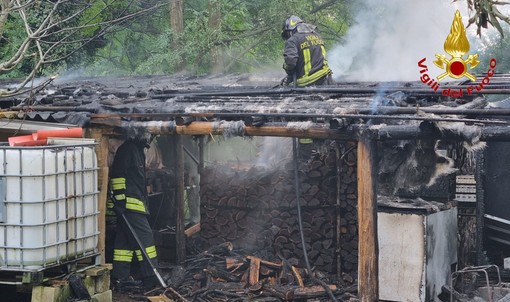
255, 208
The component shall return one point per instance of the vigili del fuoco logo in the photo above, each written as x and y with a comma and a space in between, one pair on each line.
454, 64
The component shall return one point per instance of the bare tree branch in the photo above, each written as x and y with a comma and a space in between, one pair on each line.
44, 39
487, 12
316, 8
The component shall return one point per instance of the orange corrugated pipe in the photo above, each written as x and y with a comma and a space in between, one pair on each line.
25, 140
44, 134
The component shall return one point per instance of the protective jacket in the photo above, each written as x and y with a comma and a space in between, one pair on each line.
305, 55
127, 177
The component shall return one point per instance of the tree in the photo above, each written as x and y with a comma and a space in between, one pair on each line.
36, 33
177, 26
485, 12
40, 37
214, 23
201, 34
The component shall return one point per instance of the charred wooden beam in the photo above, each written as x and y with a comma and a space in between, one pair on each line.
338, 210
429, 131
368, 267
381, 132
217, 128
184, 94
257, 118
206, 128
179, 220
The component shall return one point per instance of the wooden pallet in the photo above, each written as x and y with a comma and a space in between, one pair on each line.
15, 276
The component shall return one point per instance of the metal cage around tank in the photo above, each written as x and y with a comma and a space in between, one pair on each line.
48, 206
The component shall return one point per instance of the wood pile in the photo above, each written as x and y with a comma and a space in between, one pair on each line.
256, 209
224, 274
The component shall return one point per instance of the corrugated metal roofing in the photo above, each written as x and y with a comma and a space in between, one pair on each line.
74, 101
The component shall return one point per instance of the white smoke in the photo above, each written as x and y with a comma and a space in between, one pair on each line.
274, 152
390, 37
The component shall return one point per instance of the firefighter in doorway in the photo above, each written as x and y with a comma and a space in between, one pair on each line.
304, 54
128, 183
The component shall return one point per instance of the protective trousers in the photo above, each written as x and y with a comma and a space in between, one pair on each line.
126, 247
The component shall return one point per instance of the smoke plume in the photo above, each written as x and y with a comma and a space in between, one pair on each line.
391, 36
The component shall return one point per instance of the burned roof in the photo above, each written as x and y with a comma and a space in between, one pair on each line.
250, 99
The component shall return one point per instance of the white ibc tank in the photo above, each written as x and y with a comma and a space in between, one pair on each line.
48, 205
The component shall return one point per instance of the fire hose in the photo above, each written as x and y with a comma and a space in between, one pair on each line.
300, 220
138, 241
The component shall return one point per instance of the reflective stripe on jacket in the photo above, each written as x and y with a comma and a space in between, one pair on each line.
127, 177
305, 55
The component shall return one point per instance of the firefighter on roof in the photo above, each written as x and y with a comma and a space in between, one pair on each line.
304, 54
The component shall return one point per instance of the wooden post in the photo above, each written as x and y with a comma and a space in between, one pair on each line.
338, 211
102, 178
368, 262
180, 239
201, 157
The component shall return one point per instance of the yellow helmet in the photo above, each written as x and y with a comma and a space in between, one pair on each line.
289, 25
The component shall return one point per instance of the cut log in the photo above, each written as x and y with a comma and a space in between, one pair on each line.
192, 230
254, 270
264, 216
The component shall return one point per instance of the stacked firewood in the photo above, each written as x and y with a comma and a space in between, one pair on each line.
256, 209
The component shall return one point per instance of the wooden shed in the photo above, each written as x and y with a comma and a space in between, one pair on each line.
361, 120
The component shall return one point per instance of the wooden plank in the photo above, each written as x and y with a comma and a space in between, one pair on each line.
253, 278
97, 271
339, 173
312, 289
368, 249
102, 158
160, 298
270, 264
210, 128
205, 128
298, 276
192, 230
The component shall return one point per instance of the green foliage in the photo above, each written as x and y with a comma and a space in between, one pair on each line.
495, 47
247, 37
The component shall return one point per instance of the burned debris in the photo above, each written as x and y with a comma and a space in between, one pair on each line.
223, 273
374, 162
